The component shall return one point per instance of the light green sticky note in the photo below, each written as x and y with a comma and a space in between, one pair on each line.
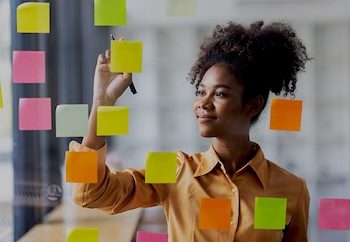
82, 235
1, 102
110, 12
270, 213
112, 120
33, 17
181, 8
161, 167
72, 120
126, 56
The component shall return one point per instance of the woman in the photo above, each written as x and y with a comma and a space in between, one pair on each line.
235, 71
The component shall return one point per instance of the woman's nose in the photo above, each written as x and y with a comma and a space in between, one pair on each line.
205, 104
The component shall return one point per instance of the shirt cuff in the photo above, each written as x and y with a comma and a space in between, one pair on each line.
75, 146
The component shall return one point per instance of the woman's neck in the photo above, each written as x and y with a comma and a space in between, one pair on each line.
234, 153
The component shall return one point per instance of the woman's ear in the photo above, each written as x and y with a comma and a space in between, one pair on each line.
255, 105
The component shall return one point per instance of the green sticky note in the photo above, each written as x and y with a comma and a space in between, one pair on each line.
181, 8
1, 102
161, 167
270, 213
33, 17
110, 12
126, 56
112, 120
72, 120
82, 235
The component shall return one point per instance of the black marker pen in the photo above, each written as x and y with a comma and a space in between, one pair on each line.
131, 86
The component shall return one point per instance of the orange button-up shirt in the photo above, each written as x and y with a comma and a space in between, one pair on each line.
203, 175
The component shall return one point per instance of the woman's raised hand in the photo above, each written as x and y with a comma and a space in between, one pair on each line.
108, 86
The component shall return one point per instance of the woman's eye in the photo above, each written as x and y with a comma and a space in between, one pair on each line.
219, 94
200, 93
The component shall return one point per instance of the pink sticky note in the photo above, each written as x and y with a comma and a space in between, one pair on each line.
334, 214
35, 114
28, 67
151, 237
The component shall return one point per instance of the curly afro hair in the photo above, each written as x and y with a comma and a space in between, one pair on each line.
262, 58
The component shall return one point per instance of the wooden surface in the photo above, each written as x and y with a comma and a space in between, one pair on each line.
120, 227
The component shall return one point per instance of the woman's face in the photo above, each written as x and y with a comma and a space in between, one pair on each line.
218, 104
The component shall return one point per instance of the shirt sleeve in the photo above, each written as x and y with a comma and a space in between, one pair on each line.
118, 191
297, 228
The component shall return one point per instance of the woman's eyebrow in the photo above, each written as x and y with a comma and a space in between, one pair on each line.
218, 86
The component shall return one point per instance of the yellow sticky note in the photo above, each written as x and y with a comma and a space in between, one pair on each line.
181, 8
112, 120
82, 235
110, 12
214, 213
161, 167
1, 102
33, 17
82, 167
126, 56
286, 114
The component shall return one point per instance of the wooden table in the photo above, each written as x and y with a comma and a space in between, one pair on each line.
112, 228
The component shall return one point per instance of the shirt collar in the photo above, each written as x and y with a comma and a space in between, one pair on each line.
258, 163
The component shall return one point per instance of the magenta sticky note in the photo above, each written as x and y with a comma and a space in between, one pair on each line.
35, 114
28, 67
334, 214
143, 236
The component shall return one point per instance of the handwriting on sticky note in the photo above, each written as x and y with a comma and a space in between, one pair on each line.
82, 235
285, 114
110, 12
126, 56
72, 120
82, 167
112, 120
214, 213
28, 67
334, 214
181, 8
35, 114
1, 101
143, 236
161, 167
33, 17
270, 213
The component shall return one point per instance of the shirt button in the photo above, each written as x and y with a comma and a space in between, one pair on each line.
231, 222
234, 189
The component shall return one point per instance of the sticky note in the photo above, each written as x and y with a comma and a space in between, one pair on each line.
126, 56
82, 167
181, 8
35, 114
270, 213
112, 120
334, 214
72, 120
82, 235
1, 102
160, 167
110, 12
214, 213
28, 67
142, 236
285, 114
33, 17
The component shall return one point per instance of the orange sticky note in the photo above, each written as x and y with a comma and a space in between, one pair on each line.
28, 67
214, 213
285, 114
33, 17
82, 167
35, 114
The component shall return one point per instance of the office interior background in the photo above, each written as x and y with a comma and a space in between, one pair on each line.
160, 113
